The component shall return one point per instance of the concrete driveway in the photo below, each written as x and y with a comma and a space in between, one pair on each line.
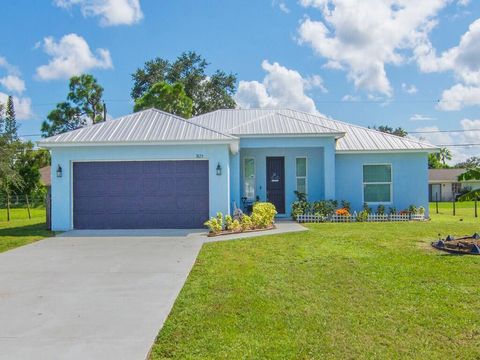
91, 295
96, 294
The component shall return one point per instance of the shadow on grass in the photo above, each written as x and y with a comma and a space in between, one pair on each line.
27, 230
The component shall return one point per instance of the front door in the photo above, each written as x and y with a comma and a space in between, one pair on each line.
276, 182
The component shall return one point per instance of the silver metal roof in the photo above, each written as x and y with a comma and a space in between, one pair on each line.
279, 124
148, 126
356, 138
155, 126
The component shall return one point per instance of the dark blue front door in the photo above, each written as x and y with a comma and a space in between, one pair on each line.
140, 194
276, 182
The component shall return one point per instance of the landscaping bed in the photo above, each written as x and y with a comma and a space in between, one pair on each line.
261, 219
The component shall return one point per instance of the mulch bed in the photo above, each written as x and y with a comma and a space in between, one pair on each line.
469, 245
240, 232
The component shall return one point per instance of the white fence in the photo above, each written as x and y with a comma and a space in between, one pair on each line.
312, 218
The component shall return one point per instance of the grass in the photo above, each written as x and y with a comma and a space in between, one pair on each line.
338, 291
21, 230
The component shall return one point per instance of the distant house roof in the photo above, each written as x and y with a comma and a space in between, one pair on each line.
148, 126
45, 176
444, 175
154, 126
355, 138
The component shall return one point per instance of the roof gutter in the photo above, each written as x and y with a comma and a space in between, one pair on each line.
234, 144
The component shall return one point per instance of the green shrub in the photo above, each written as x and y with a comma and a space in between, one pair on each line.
236, 226
300, 208
381, 210
392, 210
214, 226
367, 208
228, 222
346, 205
220, 218
324, 208
300, 196
246, 223
421, 210
263, 214
412, 209
362, 216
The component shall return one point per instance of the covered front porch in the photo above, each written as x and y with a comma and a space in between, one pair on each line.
267, 169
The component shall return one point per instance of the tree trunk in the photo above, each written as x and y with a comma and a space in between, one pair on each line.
8, 207
28, 207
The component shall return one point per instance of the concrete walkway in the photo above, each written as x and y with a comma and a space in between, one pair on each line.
95, 294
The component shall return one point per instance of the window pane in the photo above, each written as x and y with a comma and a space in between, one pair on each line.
301, 167
376, 192
249, 168
249, 190
302, 185
377, 173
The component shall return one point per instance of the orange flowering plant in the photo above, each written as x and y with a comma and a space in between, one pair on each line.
342, 212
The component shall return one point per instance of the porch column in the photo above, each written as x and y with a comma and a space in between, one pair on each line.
235, 181
329, 168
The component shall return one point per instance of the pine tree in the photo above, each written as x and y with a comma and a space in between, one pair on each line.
2, 119
11, 126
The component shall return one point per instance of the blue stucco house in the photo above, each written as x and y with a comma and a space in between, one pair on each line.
152, 169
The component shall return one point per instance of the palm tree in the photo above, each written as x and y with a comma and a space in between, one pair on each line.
443, 155
471, 174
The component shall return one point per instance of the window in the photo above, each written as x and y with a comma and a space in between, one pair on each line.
249, 178
456, 188
377, 183
301, 173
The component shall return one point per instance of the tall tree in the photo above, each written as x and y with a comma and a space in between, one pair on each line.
443, 155
170, 98
11, 126
84, 106
208, 92
470, 163
9, 177
389, 130
27, 162
434, 163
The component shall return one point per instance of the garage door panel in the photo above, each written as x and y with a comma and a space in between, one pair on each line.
140, 195
159, 185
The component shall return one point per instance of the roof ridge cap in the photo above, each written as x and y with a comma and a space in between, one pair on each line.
311, 123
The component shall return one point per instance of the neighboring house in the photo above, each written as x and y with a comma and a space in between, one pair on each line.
152, 169
443, 184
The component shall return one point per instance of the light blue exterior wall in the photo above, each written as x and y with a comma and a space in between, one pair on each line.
318, 150
409, 174
65, 156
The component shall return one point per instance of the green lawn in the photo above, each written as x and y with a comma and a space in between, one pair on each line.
341, 291
21, 230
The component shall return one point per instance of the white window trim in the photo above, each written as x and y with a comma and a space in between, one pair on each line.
254, 177
302, 177
378, 183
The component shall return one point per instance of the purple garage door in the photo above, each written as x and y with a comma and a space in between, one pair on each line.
140, 194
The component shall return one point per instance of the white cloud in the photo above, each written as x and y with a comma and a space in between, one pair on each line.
471, 137
110, 12
409, 89
350, 98
71, 56
459, 96
419, 117
281, 88
460, 153
13, 83
461, 59
365, 36
283, 7
23, 106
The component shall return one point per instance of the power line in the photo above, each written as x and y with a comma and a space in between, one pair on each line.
441, 131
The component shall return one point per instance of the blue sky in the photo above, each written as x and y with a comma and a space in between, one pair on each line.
368, 62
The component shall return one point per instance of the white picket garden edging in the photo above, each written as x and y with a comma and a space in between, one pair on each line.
312, 218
